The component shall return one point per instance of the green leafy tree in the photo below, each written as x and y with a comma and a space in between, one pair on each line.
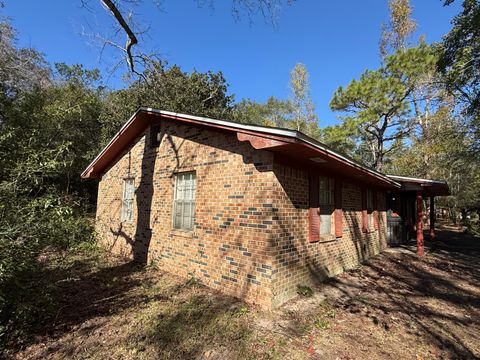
339, 138
377, 106
444, 154
168, 88
274, 112
460, 63
48, 128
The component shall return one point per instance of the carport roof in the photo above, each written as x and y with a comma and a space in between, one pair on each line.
426, 186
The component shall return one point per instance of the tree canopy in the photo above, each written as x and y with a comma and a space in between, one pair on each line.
54, 119
460, 62
377, 108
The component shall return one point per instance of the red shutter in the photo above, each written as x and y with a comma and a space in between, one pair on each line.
375, 211
313, 209
364, 211
338, 209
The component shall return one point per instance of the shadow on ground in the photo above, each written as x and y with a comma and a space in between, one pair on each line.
396, 306
111, 308
87, 287
433, 300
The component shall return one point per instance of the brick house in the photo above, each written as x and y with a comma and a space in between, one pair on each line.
252, 211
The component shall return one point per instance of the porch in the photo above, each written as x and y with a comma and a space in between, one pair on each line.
412, 206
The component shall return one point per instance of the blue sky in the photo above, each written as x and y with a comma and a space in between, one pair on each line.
336, 40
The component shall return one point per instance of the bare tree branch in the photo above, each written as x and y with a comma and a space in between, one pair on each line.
269, 9
132, 38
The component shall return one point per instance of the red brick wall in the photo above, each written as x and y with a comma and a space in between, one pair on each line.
250, 237
296, 261
229, 248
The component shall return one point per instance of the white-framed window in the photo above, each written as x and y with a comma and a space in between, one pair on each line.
184, 201
127, 199
370, 209
326, 200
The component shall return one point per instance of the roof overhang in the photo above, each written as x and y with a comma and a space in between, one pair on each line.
288, 145
425, 186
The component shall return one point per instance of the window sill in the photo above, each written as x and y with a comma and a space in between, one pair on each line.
327, 238
182, 233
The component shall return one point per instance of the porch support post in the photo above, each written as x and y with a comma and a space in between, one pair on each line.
419, 223
432, 218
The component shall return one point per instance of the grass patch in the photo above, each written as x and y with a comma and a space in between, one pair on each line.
304, 290
192, 325
241, 311
322, 324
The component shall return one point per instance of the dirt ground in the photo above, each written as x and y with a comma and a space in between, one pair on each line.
395, 306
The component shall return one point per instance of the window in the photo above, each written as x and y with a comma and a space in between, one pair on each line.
127, 201
370, 209
326, 199
184, 202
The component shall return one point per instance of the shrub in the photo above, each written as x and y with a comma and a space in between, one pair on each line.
27, 228
473, 228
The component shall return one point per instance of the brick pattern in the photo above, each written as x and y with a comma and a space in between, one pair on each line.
299, 262
250, 237
229, 248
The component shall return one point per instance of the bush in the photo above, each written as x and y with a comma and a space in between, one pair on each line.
27, 228
473, 228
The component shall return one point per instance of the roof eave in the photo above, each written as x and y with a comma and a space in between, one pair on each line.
281, 132
434, 187
90, 172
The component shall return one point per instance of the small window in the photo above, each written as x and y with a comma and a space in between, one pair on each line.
155, 136
127, 201
326, 189
184, 202
370, 209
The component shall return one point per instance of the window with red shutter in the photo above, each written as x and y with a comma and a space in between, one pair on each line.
338, 209
313, 209
375, 211
326, 201
370, 212
364, 211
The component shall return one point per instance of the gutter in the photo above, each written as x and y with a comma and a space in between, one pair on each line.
406, 178
277, 131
